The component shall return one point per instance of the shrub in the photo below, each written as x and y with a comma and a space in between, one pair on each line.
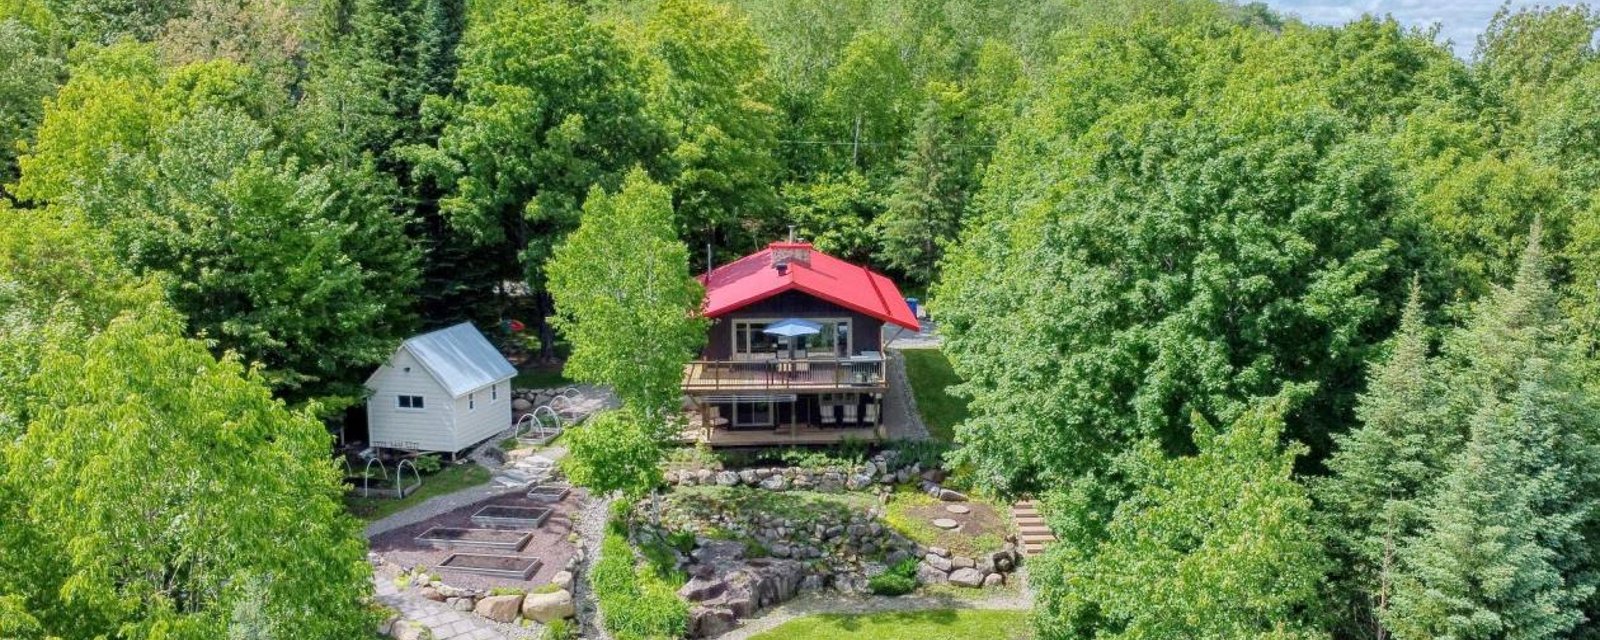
637, 604
899, 580
560, 629
681, 540
427, 465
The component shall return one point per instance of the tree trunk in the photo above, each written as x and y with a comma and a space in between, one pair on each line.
547, 333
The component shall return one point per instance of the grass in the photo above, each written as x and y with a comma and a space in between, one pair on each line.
540, 377
941, 624
450, 479
899, 516
931, 376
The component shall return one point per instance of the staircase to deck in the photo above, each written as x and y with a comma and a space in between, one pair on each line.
1032, 533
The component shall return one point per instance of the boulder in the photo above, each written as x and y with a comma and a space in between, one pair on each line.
521, 405
951, 495
962, 562
928, 574
939, 551
775, 483
994, 580
938, 562
545, 607
461, 604
702, 588
499, 608
562, 579
748, 476
703, 476
1002, 560
710, 622
430, 593
968, 577
727, 478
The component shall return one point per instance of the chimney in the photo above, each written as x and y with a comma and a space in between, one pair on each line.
784, 253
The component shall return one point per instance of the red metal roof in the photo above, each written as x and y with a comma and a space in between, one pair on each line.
752, 279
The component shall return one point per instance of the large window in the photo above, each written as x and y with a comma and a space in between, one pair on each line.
411, 402
832, 340
749, 340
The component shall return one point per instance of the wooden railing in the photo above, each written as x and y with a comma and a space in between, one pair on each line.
784, 374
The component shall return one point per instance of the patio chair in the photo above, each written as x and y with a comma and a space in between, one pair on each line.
828, 415
849, 414
870, 414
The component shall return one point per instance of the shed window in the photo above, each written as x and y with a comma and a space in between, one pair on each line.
411, 402
472, 401
494, 392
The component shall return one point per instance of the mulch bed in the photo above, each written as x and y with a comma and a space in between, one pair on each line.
548, 544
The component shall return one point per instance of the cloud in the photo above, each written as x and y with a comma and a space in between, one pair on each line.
1460, 21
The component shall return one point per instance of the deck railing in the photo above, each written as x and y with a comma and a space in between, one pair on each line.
784, 373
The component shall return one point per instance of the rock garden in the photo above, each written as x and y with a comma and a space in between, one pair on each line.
730, 541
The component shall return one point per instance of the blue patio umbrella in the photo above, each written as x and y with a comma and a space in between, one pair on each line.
792, 327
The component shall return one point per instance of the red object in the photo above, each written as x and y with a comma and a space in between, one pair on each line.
515, 326
754, 278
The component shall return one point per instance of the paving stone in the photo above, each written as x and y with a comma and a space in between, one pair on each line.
958, 509
945, 523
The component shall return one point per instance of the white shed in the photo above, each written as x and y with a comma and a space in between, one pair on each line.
442, 391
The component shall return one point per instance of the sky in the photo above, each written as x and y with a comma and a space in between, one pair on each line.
1461, 20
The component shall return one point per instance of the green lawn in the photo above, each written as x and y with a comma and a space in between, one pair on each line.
540, 377
930, 374
450, 479
943, 624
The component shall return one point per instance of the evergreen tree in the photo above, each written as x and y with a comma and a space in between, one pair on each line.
1383, 471
1505, 552
938, 174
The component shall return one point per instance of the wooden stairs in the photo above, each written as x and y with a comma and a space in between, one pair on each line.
1033, 535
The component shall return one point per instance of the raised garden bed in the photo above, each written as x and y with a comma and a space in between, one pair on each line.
495, 539
549, 492
496, 515
516, 567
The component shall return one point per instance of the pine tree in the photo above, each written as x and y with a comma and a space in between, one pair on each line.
1503, 553
1490, 563
1384, 469
937, 178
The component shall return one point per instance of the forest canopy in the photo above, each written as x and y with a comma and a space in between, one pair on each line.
1297, 323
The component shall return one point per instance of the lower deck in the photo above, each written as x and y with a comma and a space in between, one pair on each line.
778, 436
784, 419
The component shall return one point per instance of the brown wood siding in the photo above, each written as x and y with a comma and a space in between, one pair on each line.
865, 331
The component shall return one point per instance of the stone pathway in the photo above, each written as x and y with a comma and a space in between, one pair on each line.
437, 505
445, 623
819, 603
590, 525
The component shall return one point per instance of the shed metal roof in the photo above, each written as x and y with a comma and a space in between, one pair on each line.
460, 358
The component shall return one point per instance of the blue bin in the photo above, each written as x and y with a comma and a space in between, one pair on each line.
913, 303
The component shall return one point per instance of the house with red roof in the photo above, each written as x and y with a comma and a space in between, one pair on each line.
795, 352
